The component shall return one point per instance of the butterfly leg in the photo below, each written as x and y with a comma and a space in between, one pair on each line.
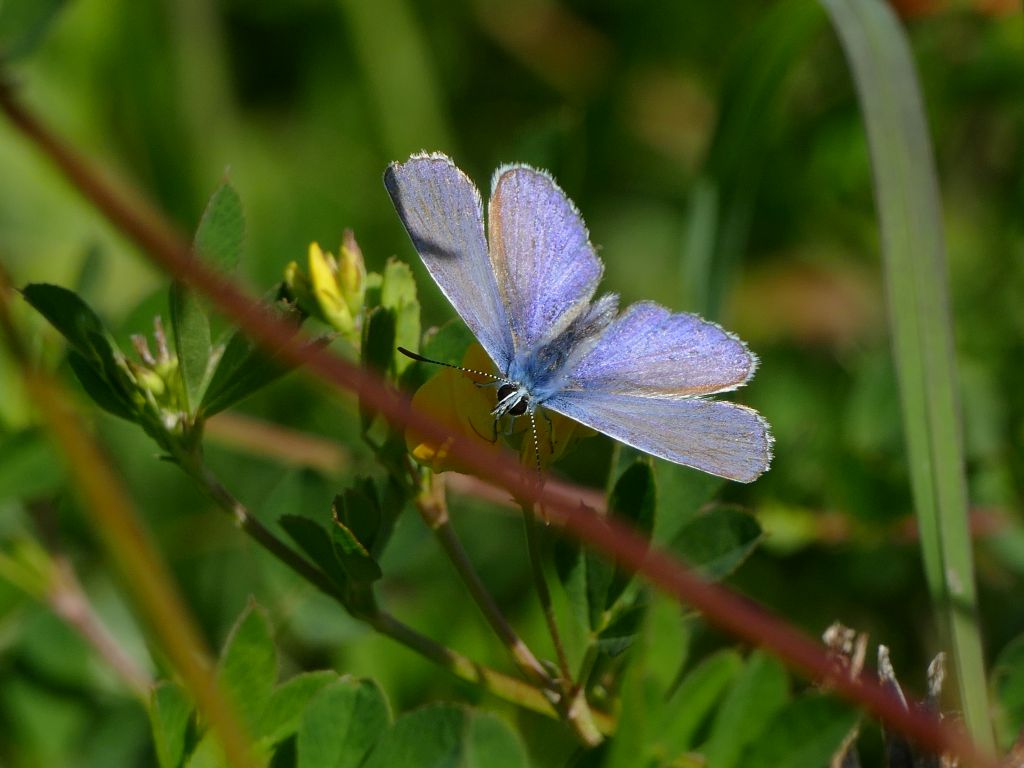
551, 433
494, 432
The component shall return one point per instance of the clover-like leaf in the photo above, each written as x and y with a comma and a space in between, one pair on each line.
807, 731
221, 232
448, 736
317, 543
341, 724
288, 702
247, 670
398, 293
244, 367
355, 513
757, 694
170, 714
717, 542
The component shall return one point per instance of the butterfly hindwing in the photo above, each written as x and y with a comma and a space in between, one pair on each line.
720, 438
442, 210
651, 352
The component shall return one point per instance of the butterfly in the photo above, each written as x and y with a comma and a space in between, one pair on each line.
526, 290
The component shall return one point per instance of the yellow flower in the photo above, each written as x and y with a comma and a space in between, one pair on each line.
455, 399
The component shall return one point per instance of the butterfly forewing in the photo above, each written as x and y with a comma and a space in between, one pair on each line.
442, 210
720, 438
546, 268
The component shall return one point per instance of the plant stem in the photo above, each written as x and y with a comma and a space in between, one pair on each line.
433, 508
533, 548
577, 708
68, 600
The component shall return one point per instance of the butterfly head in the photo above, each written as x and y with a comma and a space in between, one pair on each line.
513, 400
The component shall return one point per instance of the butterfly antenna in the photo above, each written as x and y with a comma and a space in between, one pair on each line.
422, 359
536, 456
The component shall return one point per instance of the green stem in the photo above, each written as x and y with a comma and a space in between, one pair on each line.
577, 709
433, 508
533, 548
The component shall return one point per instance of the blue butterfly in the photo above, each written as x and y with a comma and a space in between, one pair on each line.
526, 291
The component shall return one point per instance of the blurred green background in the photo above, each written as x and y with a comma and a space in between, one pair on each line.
718, 156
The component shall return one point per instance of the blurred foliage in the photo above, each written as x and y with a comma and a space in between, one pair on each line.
718, 155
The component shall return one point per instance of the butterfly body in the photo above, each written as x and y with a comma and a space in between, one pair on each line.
526, 290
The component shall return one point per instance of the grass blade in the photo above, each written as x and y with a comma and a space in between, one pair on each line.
907, 198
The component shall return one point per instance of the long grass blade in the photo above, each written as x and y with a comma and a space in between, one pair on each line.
907, 198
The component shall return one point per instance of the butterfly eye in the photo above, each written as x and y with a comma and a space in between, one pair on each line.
518, 408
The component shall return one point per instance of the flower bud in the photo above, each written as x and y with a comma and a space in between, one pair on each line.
352, 273
323, 273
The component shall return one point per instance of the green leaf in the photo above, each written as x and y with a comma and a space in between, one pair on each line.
632, 500
805, 733
622, 631
1008, 689
921, 326
599, 574
593, 584
317, 543
760, 691
667, 634
448, 344
244, 367
398, 293
247, 670
341, 724
221, 232
447, 736
716, 543
681, 494
694, 700
218, 241
30, 467
23, 23
73, 318
288, 702
635, 737
103, 393
191, 328
207, 754
379, 337
170, 713
378, 351
94, 357
357, 519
